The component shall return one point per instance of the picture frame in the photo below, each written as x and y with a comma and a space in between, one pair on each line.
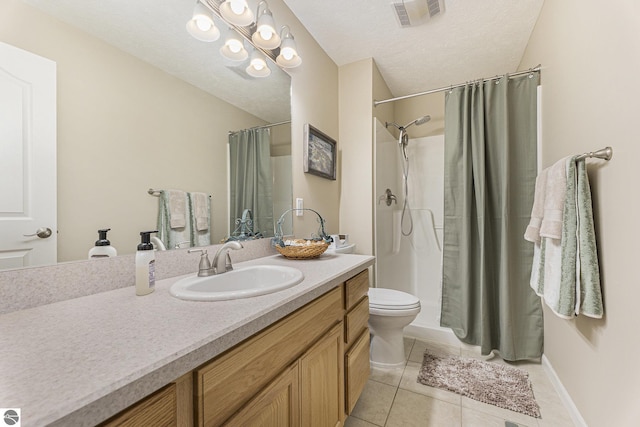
320, 153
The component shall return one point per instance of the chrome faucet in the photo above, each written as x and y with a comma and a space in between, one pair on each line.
207, 268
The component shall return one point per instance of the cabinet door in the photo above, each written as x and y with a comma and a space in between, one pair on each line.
357, 370
159, 410
227, 383
277, 405
322, 381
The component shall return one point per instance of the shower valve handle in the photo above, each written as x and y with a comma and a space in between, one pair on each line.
388, 197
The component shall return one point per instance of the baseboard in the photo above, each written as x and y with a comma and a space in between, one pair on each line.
564, 395
441, 335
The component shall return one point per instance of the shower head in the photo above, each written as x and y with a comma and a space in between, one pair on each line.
419, 121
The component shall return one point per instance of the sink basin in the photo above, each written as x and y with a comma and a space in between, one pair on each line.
241, 283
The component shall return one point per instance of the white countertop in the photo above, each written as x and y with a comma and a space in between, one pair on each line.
80, 361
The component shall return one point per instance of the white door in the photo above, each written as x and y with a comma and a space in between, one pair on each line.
27, 159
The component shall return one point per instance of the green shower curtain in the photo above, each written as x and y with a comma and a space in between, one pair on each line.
490, 171
251, 179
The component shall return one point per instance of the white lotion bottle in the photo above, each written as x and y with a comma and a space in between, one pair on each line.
103, 248
145, 265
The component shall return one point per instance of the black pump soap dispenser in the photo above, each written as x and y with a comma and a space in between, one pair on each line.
103, 248
145, 265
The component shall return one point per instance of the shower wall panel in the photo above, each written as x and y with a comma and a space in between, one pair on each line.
411, 263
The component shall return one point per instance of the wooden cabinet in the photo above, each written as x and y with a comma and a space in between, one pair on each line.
356, 321
172, 405
292, 373
356, 365
356, 336
355, 289
322, 382
277, 405
158, 409
311, 337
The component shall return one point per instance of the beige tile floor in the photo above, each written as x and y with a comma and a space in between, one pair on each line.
395, 398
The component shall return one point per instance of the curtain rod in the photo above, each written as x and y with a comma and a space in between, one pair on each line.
442, 89
270, 125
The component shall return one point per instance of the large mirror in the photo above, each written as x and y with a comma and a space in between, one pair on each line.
141, 104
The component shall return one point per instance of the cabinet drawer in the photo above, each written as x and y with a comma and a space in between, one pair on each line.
356, 288
356, 321
356, 362
229, 381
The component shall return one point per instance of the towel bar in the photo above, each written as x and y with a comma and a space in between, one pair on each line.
606, 154
157, 193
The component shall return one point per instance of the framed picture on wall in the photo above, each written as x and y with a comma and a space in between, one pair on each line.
320, 153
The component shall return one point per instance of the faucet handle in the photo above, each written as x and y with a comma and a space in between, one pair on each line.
205, 265
227, 265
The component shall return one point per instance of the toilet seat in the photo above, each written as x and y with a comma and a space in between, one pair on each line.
390, 302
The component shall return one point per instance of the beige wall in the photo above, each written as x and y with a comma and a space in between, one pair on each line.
412, 108
360, 83
314, 100
123, 127
590, 60
356, 133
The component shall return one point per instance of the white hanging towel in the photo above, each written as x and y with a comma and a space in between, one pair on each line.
173, 210
565, 270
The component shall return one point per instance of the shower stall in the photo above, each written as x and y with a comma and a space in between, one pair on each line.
408, 217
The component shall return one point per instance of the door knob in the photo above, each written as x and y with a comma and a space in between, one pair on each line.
41, 232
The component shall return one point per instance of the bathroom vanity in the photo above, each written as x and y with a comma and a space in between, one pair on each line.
294, 357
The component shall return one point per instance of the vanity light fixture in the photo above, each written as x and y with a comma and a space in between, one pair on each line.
233, 48
237, 12
262, 35
201, 25
288, 57
266, 36
258, 66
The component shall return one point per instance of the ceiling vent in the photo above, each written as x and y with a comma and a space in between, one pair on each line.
414, 12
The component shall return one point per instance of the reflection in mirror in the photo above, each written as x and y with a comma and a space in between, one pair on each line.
260, 184
140, 104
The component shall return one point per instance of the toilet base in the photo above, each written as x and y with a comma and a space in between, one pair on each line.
387, 349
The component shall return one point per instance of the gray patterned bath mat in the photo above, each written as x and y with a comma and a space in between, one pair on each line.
487, 382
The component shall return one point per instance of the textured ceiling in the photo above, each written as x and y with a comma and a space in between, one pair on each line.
469, 40
154, 31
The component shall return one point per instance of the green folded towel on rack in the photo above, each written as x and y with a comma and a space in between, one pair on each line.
590, 295
565, 271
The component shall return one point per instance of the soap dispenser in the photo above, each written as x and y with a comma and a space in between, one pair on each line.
145, 265
103, 247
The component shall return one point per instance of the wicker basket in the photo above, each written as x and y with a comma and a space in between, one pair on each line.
307, 251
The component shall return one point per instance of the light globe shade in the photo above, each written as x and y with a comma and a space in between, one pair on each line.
266, 35
237, 12
233, 48
288, 57
201, 25
258, 66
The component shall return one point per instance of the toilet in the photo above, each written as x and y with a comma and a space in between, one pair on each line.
389, 312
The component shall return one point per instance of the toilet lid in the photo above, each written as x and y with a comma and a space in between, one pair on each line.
391, 299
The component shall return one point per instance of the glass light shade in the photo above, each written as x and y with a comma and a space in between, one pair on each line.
237, 12
288, 57
258, 66
266, 35
201, 25
233, 48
